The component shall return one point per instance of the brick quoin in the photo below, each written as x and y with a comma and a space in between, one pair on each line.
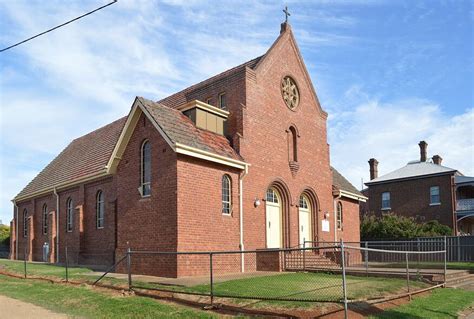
184, 210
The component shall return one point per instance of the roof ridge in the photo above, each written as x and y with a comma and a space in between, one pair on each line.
227, 72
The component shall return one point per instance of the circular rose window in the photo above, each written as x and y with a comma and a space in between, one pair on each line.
289, 92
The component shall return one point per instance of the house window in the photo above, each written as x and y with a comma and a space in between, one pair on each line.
146, 169
99, 208
226, 195
25, 223
303, 202
339, 216
272, 197
222, 101
434, 195
45, 219
209, 100
69, 215
386, 200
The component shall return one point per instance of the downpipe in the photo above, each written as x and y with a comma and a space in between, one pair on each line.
57, 224
15, 207
241, 215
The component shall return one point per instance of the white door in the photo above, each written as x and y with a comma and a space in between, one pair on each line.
304, 221
273, 219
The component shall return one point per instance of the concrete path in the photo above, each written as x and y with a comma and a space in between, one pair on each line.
188, 281
16, 309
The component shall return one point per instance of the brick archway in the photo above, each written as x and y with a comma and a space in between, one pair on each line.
315, 208
286, 201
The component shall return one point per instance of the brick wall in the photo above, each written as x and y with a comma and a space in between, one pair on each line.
264, 145
412, 198
147, 223
350, 231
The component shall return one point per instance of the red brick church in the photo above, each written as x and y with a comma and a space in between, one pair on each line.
239, 161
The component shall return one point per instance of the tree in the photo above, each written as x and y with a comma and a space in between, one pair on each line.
4, 235
392, 226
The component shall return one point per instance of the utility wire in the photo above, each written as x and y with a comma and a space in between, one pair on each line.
59, 26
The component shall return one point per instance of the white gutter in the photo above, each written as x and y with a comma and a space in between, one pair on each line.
57, 224
16, 225
335, 216
241, 207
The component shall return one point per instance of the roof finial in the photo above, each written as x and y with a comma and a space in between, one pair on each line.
287, 14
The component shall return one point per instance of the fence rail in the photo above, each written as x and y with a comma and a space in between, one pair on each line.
327, 273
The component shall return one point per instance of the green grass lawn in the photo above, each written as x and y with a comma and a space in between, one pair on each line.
84, 302
294, 286
441, 303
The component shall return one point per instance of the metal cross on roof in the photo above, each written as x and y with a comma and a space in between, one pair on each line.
287, 14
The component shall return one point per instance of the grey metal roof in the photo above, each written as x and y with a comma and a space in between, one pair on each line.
463, 179
413, 169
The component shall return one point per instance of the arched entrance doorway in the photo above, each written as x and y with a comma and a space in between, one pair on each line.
304, 217
274, 223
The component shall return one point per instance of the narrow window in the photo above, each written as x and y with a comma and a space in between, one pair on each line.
45, 219
25, 223
339, 216
303, 202
293, 145
69, 215
146, 169
434, 195
386, 200
226, 195
222, 101
209, 100
100, 209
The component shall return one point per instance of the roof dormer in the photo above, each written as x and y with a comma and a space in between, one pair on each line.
205, 116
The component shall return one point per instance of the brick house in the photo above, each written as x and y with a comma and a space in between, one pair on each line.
239, 161
425, 190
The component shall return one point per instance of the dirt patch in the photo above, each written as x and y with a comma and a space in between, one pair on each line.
17, 309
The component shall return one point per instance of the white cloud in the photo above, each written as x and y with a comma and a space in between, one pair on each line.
390, 132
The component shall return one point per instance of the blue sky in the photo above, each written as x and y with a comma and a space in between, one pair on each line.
389, 73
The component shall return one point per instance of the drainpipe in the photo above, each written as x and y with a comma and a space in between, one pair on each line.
241, 207
15, 207
335, 216
57, 224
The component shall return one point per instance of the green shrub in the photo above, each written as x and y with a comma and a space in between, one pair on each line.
392, 226
4, 235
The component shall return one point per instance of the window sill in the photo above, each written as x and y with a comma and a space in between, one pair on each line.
100, 227
386, 208
435, 204
145, 197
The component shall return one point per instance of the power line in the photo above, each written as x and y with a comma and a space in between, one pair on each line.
59, 26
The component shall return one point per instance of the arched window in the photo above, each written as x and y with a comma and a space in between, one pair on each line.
293, 144
272, 196
226, 195
339, 216
25, 223
69, 215
303, 202
100, 208
45, 219
146, 168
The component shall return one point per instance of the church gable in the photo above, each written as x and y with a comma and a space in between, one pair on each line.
285, 55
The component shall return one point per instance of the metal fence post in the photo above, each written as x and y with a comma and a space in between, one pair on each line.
304, 254
344, 290
366, 253
65, 255
211, 279
24, 260
408, 273
445, 260
129, 270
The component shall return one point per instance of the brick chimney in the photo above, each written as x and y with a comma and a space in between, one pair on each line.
437, 159
423, 147
374, 173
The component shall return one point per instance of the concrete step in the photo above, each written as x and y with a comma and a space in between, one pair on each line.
460, 279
